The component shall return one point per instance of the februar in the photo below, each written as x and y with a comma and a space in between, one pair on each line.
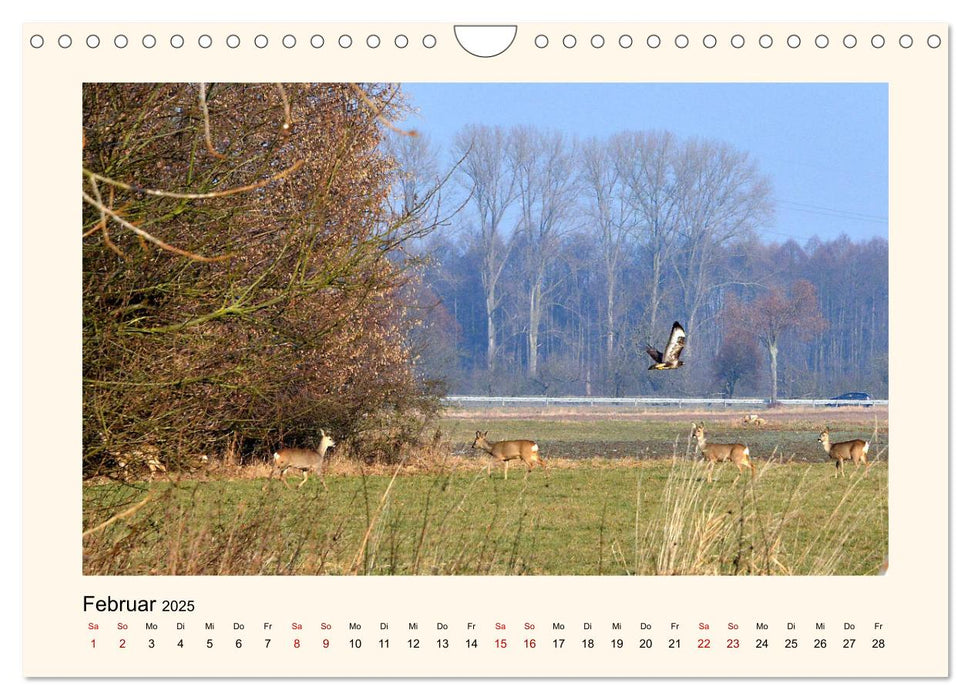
110, 604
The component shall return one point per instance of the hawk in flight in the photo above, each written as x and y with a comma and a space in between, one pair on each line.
669, 360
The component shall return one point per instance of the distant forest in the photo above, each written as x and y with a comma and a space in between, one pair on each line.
550, 263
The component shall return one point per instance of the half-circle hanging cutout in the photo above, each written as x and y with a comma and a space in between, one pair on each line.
485, 41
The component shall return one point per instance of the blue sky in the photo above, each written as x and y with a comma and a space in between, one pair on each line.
824, 146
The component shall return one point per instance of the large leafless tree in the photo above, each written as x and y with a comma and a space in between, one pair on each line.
721, 196
612, 216
649, 176
484, 155
774, 314
543, 172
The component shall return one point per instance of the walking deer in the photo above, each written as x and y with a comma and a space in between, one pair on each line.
714, 452
303, 459
842, 451
526, 450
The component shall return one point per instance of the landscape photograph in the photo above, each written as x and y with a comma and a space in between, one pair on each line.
485, 329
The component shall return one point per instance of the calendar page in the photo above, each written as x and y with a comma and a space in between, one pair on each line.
528, 350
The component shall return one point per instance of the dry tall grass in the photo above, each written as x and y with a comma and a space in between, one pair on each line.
730, 531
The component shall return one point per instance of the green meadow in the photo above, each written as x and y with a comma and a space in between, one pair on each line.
624, 494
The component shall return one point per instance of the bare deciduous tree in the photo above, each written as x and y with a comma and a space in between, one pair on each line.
737, 359
648, 170
483, 152
774, 314
543, 172
721, 196
612, 216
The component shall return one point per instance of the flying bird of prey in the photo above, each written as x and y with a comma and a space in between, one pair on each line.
671, 353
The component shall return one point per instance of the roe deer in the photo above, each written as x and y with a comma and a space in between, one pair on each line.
736, 453
526, 450
753, 419
147, 456
842, 451
303, 459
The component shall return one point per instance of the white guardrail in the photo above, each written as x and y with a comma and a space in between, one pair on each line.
650, 401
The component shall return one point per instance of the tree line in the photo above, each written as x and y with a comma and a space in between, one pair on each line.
569, 256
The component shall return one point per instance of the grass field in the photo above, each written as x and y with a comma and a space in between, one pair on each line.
624, 496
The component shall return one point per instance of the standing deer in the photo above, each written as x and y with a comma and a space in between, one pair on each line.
303, 459
526, 450
713, 452
842, 451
